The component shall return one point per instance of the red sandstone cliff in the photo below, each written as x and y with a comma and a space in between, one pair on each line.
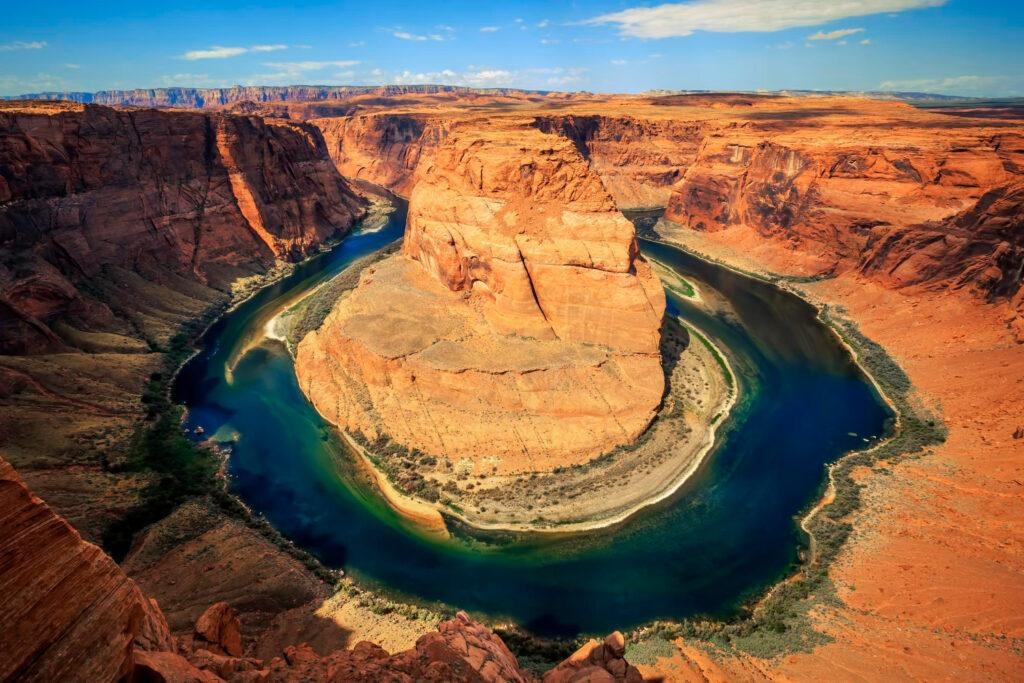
90, 196
67, 611
906, 197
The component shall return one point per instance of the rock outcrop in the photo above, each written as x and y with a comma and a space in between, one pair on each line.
520, 327
597, 662
914, 200
67, 611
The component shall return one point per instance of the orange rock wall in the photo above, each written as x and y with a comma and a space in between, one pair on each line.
202, 197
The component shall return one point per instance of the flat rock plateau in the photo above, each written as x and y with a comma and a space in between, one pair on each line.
119, 225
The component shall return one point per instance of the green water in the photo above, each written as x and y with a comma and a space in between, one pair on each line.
724, 537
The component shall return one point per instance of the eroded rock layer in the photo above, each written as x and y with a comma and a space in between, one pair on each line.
67, 612
519, 328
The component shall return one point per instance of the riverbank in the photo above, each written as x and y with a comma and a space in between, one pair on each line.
903, 532
601, 493
606, 491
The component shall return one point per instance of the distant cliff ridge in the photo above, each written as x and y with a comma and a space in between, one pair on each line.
199, 98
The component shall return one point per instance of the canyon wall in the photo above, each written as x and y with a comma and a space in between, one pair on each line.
116, 229
92, 195
638, 159
519, 328
934, 206
383, 149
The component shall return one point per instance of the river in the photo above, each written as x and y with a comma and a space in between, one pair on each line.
725, 536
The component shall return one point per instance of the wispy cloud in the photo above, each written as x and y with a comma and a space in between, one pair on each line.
866, 41
220, 52
23, 45
732, 16
311, 65
489, 29
833, 35
482, 77
72, 66
618, 62
416, 37
954, 85
544, 23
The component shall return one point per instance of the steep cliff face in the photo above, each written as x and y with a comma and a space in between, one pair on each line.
116, 228
171, 198
519, 329
639, 160
381, 148
929, 205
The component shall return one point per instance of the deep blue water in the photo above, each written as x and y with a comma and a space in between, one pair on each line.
728, 534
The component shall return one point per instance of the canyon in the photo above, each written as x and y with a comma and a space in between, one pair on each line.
119, 225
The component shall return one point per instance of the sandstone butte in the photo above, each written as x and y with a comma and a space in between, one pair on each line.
910, 219
519, 328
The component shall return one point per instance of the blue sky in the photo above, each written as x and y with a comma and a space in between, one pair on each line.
969, 47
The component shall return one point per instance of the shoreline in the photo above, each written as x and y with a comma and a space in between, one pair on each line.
831, 490
820, 503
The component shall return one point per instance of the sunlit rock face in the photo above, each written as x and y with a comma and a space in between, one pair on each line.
518, 328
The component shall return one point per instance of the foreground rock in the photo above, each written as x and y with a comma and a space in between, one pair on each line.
518, 330
68, 612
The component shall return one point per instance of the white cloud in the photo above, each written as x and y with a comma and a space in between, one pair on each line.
544, 23
72, 66
866, 41
618, 62
311, 65
549, 41
731, 16
485, 77
219, 52
838, 33
415, 37
956, 85
41, 82
489, 29
23, 45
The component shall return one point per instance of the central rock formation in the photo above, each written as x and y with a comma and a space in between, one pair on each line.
518, 329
